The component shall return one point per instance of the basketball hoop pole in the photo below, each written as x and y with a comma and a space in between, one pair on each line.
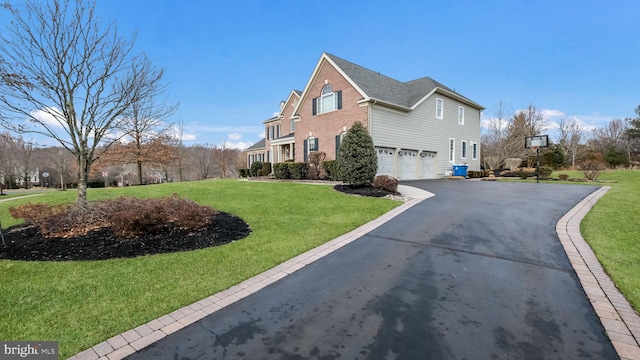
537, 165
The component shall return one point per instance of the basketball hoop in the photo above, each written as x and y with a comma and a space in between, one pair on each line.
535, 147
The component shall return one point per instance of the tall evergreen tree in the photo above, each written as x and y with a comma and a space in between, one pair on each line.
357, 160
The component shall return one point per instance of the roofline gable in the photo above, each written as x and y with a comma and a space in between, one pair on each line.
450, 94
314, 75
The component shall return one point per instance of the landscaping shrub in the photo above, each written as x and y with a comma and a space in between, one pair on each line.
259, 173
315, 164
244, 172
477, 174
357, 160
47, 218
266, 168
127, 216
544, 172
331, 169
512, 163
592, 169
281, 170
563, 177
385, 182
137, 216
253, 170
298, 170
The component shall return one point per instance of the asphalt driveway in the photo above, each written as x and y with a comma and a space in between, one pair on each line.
475, 272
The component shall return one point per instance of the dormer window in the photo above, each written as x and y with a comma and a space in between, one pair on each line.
327, 101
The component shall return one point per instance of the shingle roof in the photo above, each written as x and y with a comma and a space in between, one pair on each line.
382, 87
259, 145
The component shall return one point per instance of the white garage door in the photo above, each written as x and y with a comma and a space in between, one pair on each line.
428, 160
407, 165
385, 161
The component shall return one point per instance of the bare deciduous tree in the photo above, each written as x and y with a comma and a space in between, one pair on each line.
224, 157
504, 137
202, 156
611, 136
143, 121
69, 76
24, 156
493, 152
570, 135
61, 162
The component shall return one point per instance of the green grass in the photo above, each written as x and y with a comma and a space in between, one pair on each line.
84, 303
612, 229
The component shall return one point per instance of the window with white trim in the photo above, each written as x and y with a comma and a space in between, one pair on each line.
460, 115
463, 149
474, 151
452, 150
327, 101
439, 108
313, 144
292, 126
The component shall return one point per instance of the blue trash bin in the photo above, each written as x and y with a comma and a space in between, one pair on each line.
460, 170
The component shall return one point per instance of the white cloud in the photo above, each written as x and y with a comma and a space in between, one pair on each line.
260, 135
240, 145
235, 136
548, 113
51, 116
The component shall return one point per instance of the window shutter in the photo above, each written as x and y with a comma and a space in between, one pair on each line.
317, 144
337, 145
305, 146
314, 106
339, 99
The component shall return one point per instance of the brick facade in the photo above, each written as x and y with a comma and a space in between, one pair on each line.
327, 126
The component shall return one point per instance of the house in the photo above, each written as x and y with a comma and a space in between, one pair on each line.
420, 128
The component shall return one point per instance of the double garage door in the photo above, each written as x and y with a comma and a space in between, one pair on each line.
410, 164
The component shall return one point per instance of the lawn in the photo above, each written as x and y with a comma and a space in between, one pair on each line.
81, 304
612, 229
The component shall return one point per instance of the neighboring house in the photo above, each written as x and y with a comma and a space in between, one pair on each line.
420, 128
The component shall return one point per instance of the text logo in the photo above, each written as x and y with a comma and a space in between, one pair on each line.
35, 350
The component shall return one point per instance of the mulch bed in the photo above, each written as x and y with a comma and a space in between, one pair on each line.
24, 242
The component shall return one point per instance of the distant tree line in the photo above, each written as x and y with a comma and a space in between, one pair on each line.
616, 144
23, 163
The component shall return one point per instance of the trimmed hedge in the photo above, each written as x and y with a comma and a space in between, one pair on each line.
291, 170
266, 168
253, 170
281, 170
298, 170
477, 174
331, 168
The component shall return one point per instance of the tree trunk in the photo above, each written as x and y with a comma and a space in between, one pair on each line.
83, 173
140, 172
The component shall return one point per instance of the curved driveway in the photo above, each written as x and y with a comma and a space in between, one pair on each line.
475, 272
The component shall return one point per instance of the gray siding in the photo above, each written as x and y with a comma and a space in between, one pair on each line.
420, 130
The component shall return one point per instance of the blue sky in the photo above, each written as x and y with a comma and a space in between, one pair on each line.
230, 63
